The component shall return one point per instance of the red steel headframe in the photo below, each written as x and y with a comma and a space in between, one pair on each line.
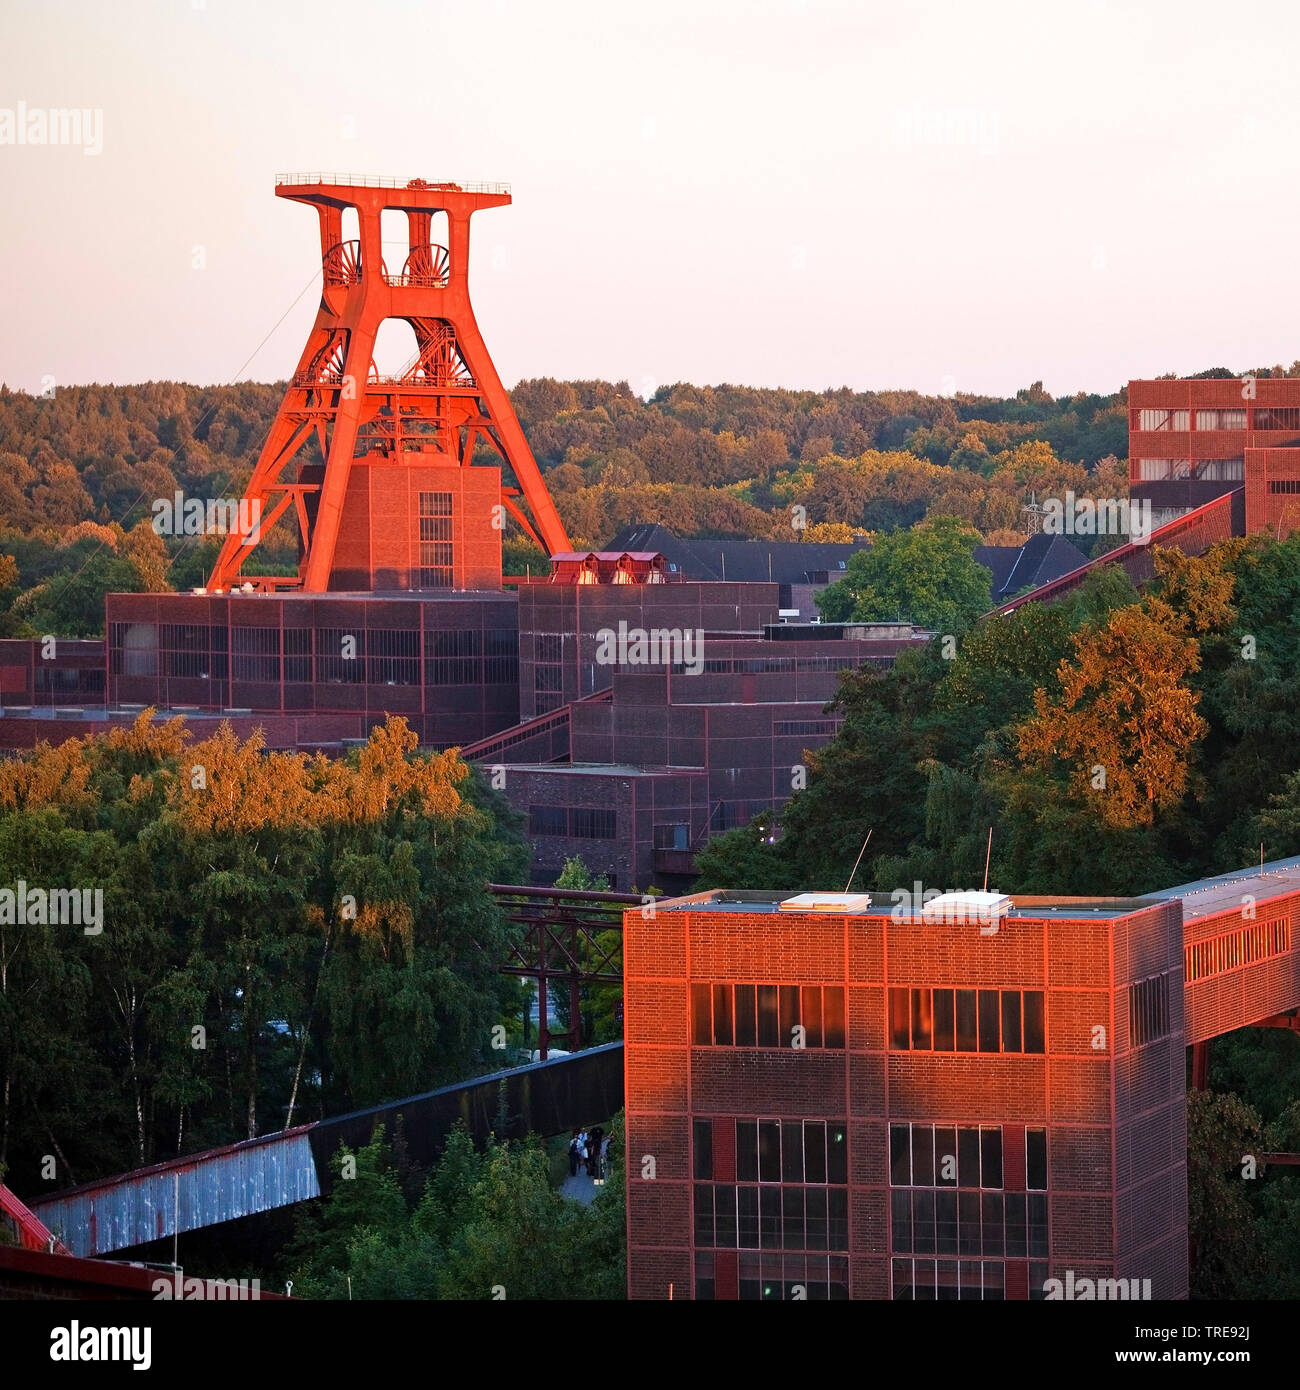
450, 395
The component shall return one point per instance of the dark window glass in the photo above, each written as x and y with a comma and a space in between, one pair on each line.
947, 1281
769, 1151
704, 1281
944, 1021
769, 1217
702, 1134
900, 1155
945, 1222
1011, 1020
747, 1218
833, 1016
992, 1211
1034, 1033
792, 1232
968, 1157
899, 1015
722, 1030
814, 1151
747, 1150
969, 1221
903, 1280
1037, 1222
988, 1020
703, 1214
837, 1218
812, 1014
923, 1277
789, 1008
1037, 1282
901, 1211
991, 1157
1015, 1225
965, 1020
923, 1222
923, 1155
768, 1033
1036, 1160
994, 1283
746, 1028
792, 1152
815, 1203
724, 1217
837, 1155
945, 1156
701, 1026
921, 1020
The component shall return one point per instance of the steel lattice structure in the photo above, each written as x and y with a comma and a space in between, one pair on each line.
447, 399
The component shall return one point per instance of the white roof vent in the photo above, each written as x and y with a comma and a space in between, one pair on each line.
967, 907
827, 902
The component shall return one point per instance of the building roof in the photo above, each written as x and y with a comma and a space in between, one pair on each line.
737, 561
1041, 559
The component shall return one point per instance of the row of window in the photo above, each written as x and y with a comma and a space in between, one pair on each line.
301, 655
1148, 1010
797, 1016
774, 1151
1269, 417
926, 1155
771, 1277
942, 1222
1245, 946
573, 822
966, 1020
959, 1280
804, 728
1288, 486
733, 1217
1200, 470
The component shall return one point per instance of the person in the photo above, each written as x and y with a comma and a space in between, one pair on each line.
573, 1155
604, 1156
581, 1156
593, 1152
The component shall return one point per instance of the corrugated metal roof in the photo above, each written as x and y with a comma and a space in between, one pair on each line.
184, 1194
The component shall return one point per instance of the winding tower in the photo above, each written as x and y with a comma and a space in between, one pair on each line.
377, 469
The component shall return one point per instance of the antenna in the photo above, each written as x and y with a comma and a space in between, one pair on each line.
858, 860
988, 854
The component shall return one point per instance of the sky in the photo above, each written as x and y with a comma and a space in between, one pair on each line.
801, 193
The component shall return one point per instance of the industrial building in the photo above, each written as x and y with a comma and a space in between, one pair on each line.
838, 1096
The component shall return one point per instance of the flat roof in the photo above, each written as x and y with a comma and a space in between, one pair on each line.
1204, 897
1029, 907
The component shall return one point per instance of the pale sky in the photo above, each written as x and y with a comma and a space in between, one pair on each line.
946, 196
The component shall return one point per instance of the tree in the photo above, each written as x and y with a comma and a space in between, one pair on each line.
1125, 728
927, 576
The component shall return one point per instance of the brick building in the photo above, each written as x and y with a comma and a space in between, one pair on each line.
878, 1102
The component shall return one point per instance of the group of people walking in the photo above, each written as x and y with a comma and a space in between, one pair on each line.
591, 1149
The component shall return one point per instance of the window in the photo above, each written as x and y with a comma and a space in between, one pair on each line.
791, 1188
965, 1020
1148, 1010
548, 820
948, 1206
297, 655
501, 662
393, 657
592, 823
436, 550
1284, 485
550, 647
340, 655
454, 658
672, 837
803, 728
1199, 470
1220, 419
1273, 418
1161, 419
1256, 942
797, 1016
